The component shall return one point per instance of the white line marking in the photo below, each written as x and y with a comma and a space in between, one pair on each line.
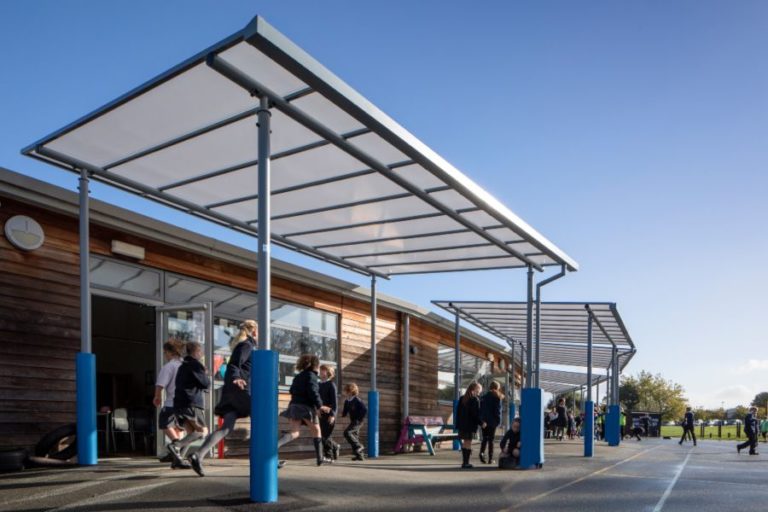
580, 479
666, 494
112, 496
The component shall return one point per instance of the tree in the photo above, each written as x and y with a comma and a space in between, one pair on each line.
653, 393
629, 395
761, 400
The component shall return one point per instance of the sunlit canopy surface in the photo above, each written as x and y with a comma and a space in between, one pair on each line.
349, 184
563, 329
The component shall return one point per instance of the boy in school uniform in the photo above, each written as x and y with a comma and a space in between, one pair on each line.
510, 447
188, 402
356, 410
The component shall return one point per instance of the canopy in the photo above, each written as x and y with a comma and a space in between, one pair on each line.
563, 335
349, 184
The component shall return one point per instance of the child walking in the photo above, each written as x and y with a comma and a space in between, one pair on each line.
166, 382
188, 406
510, 446
467, 420
356, 410
490, 414
305, 404
328, 394
235, 401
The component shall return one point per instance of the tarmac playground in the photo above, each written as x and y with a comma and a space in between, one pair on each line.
652, 475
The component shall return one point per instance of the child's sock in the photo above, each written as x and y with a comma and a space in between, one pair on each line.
287, 438
465, 454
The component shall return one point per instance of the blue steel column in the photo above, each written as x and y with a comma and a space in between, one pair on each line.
85, 361
513, 370
612, 427
456, 376
589, 412
373, 394
264, 376
532, 406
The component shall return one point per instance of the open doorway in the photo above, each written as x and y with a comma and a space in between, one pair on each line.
124, 343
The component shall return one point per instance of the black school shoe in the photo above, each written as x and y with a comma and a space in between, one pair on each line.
358, 456
467, 466
482, 457
194, 461
336, 452
182, 465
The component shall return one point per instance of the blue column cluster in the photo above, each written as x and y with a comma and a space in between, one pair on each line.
532, 428
373, 424
612, 428
85, 381
263, 447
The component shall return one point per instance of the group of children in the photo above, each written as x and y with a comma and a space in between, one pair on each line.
473, 413
313, 405
313, 402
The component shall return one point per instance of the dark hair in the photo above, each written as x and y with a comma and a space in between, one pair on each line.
307, 361
468, 393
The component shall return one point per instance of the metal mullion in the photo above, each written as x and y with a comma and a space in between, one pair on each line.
452, 260
200, 131
369, 223
428, 249
197, 210
253, 86
415, 272
351, 204
250, 163
392, 238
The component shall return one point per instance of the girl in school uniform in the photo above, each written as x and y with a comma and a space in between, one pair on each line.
490, 414
328, 394
305, 405
235, 401
467, 420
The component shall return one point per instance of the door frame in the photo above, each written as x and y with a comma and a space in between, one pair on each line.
160, 335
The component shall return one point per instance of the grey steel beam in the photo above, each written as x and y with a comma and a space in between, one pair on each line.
195, 209
448, 260
331, 229
85, 258
264, 228
254, 87
457, 358
529, 329
392, 238
373, 332
416, 251
419, 272
406, 318
250, 163
197, 133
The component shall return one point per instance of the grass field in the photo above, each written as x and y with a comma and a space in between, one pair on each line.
728, 432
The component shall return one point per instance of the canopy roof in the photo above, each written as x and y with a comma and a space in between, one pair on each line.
349, 184
563, 328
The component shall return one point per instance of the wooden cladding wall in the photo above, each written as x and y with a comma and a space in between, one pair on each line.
40, 332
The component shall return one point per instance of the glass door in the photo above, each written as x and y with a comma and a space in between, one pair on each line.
189, 322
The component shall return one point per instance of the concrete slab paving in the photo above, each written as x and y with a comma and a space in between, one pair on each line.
651, 475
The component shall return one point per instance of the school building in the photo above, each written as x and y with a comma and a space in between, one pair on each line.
151, 281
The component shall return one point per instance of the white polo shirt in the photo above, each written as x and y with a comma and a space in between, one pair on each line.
166, 379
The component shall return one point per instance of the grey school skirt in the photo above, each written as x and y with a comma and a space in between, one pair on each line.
300, 412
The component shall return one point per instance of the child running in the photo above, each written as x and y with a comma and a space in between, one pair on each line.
467, 420
356, 410
328, 394
510, 447
305, 404
188, 406
166, 381
235, 401
490, 414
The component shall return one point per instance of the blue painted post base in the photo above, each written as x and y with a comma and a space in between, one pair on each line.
589, 429
456, 442
263, 445
532, 428
612, 428
512, 412
85, 396
373, 424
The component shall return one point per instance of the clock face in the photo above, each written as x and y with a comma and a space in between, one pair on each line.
24, 233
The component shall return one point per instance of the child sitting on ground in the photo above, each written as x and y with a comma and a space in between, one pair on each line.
510, 447
356, 409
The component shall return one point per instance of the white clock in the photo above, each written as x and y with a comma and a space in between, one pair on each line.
24, 233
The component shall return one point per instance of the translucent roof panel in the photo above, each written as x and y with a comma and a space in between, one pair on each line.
349, 184
564, 326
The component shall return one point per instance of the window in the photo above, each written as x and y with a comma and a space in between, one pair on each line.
472, 368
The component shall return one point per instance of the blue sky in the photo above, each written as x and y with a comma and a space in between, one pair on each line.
632, 134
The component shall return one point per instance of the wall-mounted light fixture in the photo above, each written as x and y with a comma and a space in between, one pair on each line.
129, 250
